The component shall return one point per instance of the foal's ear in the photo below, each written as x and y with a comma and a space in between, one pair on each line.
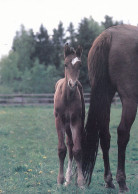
66, 50
79, 51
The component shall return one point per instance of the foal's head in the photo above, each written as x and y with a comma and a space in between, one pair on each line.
72, 65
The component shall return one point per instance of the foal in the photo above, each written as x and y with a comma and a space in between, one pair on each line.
69, 111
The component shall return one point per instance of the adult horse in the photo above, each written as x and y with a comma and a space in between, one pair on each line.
69, 111
113, 67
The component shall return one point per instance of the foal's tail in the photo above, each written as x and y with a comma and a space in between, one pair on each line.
99, 102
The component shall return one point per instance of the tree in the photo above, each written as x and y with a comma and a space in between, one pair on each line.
24, 46
88, 30
58, 44
10, 74
71, 38
43, 79
36, 60
109, 22
43, 47
97, 28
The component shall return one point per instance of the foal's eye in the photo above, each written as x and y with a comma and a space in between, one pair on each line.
65, 65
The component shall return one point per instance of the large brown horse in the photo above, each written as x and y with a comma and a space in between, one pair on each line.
113, 67
69, 111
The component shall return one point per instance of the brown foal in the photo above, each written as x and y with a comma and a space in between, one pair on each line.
69, 111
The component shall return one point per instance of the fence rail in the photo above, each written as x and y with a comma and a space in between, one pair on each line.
38, 99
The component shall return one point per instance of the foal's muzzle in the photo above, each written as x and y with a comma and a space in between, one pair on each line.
72, 84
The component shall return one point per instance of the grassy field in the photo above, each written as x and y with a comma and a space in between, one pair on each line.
28, 154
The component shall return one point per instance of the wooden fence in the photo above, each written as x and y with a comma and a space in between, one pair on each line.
37, 99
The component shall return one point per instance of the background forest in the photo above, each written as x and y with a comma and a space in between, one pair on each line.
36, 60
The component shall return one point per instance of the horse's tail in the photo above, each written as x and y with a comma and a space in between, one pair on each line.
99, 102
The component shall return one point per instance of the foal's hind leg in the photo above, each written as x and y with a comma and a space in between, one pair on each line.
70, 158
61, 149
128, 117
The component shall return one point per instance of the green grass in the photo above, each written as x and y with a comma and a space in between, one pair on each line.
28, 154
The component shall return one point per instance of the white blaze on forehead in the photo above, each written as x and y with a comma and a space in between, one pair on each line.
76, 59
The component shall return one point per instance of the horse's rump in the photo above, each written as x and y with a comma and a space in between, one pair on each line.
123, 61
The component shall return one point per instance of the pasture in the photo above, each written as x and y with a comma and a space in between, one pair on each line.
28, 154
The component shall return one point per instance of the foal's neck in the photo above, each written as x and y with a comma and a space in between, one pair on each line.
69, 93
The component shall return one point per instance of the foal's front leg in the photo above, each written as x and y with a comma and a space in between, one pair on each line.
61, 149
76, 129
70, 158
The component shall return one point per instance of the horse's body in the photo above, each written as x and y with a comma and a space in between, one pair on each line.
69, 111
113, 67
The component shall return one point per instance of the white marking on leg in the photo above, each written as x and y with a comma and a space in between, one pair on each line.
74, 134
68, 172
76, 59
80, 179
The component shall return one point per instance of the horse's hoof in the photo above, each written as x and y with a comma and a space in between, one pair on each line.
124, 190
110, 185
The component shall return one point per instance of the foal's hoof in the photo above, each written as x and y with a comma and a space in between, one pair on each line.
66, 183
81, 183
60, 180
82, 187
110, 185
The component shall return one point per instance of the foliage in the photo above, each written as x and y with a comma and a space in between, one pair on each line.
29, 160
87, 32
58, 44
40, 79
36, 60
71, 37
43, 47
23, 45
43, 80
109, 22
9, 70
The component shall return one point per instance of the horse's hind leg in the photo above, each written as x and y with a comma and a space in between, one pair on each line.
105, 142
105, 145
61, 149
70, 158
127, 119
